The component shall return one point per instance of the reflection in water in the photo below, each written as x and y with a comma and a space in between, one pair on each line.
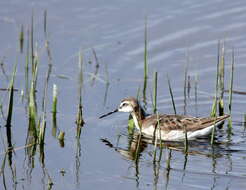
13, 172
214, 163
106, 93
166, 48
133, 152
145, 64
2, 171
184, 167
77, 156
9, 141
168, 168
30, 151
96, 67
156, 171
137, 145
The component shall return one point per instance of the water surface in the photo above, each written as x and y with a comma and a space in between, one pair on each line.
178, 32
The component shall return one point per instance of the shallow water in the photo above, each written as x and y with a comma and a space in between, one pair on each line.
103, 157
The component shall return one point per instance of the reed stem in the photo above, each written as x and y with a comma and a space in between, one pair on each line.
155, 92
54, 105
171, 93
231, 82
145, 61
230, 92
221, 78
21, 38
214, 106
186, 143
212, 136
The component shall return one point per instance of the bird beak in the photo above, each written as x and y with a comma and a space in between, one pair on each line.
116, 110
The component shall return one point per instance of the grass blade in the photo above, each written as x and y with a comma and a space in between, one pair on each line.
171, 93
231, 82
9, 116
79, 117
221, 78
230, 92
11, 98
214, 106
45, 23
145, 61
155, 92
21, 38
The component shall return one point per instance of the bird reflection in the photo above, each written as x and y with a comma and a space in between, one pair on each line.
137, 144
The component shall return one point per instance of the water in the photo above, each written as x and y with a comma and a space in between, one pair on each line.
177, 32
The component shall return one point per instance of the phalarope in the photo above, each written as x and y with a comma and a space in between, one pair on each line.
168, 127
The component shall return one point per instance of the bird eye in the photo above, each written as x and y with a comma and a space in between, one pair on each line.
124, 104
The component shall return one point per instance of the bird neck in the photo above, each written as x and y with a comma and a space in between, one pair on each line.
138, 116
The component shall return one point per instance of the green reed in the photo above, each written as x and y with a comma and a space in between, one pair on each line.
21, 38
214, 106
27, 64
155, 137
171, 93
54, 110
45, 22
41, 135
32, 107
54, 104
32, 44
219, 86
10, 108
231, 88
186, 143
79, 117
186, 79
131, 125
221, 60
11, 98
160, 138
145, 61
46, 83
155, 92
61, 138
212, 136
231, 82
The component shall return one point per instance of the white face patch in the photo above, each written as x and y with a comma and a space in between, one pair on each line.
125, 107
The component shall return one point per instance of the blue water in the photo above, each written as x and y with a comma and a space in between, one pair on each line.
178, 32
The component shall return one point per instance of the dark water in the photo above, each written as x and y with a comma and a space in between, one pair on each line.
178, 32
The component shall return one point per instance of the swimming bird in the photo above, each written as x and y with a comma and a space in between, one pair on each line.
168, 127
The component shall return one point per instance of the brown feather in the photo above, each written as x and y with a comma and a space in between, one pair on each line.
178, 122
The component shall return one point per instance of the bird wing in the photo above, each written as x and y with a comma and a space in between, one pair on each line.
180, 122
